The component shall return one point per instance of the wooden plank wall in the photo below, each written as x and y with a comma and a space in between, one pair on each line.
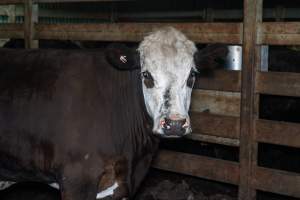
236, 124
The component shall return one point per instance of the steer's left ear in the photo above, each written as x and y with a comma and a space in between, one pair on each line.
122, 57
208, 57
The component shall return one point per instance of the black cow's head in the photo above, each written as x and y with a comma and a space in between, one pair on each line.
168, 62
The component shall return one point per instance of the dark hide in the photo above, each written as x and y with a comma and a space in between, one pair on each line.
70, 117
130, 60
210, 57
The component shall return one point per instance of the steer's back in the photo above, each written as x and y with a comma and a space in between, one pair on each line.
54, 108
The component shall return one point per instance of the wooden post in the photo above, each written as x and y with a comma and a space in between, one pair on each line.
30, 17
248, 147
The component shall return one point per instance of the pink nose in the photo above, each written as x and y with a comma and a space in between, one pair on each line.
175, 117
173, 127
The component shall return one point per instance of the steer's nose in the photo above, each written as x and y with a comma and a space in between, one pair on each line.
173, 127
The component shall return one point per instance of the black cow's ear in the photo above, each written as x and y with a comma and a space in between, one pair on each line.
209, 57
123, 58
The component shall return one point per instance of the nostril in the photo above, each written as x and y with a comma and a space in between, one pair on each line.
162, 122
181, 123
186, 124
174, 127
167, 123
175, 117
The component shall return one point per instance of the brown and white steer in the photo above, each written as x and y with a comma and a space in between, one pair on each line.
87, 120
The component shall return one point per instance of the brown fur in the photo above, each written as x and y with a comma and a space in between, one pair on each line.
70, 117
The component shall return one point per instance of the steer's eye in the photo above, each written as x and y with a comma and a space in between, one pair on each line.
146, 74
191, 79
148, 79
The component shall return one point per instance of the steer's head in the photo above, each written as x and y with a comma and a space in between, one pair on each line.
168, 62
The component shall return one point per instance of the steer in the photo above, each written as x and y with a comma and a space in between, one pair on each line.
88, 120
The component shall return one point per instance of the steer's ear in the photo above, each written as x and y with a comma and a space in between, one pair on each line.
209, 57
123, 58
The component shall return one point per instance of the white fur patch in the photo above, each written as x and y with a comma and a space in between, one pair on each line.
54, 185
5, 184
168, 55
107, 192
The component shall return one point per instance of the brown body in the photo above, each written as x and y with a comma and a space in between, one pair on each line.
70, 117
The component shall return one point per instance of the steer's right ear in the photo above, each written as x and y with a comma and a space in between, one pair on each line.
207, 58
123, 58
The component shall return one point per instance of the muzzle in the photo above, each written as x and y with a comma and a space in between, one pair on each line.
174, 126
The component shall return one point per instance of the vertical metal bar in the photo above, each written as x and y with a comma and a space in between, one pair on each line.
11, 12
30, 17
264, 64
248, 148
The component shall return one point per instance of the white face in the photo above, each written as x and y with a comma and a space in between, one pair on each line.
167, 69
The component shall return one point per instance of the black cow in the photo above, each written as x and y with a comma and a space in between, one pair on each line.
85, 120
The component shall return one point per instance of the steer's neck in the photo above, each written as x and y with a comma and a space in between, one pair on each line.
131, 125
145, 120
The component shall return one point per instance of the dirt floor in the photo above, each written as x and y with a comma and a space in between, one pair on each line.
161, 185
158, 185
